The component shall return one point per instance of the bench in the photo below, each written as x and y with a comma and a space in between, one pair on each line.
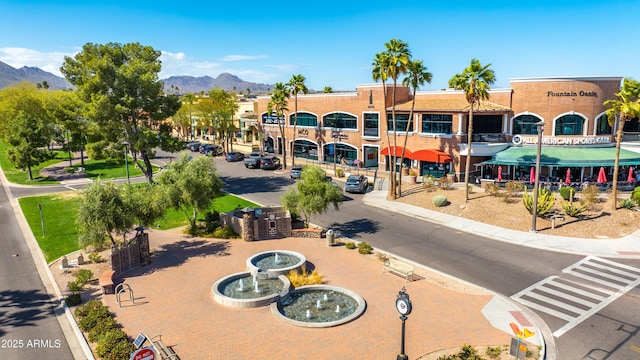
106, 282
164, 351
398, 267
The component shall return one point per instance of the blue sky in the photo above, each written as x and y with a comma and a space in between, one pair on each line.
333, 43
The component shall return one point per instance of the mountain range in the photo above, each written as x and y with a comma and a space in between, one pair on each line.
174, 84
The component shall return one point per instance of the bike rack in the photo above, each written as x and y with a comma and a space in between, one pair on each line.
124, 288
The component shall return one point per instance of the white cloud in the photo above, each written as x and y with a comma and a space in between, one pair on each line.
242, 57
19, 57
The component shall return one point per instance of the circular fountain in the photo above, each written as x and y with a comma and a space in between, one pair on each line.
275, 262
247, 290
319, 306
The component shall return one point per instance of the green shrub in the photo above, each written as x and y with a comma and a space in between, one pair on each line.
95, 257
102, 327
468, 352
350, 245
635, 195
512, 188
440, 200
339, 173
567, 193
628, 204
93, 317
590, 195
90, 306
224, 233
83, 276
74, 286
108, 342
546, 200
121, 350
73, 300
494, 351
492, 189
573, 210
211, 221
364, 248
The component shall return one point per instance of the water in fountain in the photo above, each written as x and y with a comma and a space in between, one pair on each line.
257, 289
306, 307
235, 289
276, 261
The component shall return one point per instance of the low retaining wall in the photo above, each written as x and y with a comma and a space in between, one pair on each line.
307, 233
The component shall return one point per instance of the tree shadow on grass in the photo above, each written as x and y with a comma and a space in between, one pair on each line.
356, 228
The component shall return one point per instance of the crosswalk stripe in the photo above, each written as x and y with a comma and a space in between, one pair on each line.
575, 299
555, 303
585, 293
613, 263
605, 275
626, 274
558, 314
592, 279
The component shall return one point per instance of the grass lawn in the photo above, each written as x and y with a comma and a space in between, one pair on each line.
109, 170
59, 213
18, 176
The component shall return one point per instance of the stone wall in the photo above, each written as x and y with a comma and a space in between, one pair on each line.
258, 224
131, 254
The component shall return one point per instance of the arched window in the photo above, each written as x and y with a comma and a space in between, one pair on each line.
525, 125
602, 125
569, 125
340, 120
304, 119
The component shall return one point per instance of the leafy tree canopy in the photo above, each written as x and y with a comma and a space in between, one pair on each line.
313, 194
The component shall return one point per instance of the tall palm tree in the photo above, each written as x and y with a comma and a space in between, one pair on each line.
627, 105
475, 81
296, 84
417, 75
327, 89
189, 98
380, 72
277, 106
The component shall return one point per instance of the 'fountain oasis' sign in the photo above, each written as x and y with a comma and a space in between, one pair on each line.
572, 93
558, 140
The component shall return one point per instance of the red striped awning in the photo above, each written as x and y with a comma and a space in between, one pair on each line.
388, 151
431, 155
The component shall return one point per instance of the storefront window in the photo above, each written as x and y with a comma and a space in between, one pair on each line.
340, 120
569, 125
632, 125
401, 122
525, 125
371, 127
305, 149
437, 123
602, 125
304, 119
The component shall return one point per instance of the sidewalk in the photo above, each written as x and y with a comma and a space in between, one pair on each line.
625, 247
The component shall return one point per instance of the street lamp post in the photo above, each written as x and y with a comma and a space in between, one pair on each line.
403, 305
536, 183
126, 159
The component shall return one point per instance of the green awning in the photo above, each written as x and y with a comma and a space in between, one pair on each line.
564, 156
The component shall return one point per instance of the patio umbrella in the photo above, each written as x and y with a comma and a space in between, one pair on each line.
499, 173
602, 177
630, 177
532, 174
568, 178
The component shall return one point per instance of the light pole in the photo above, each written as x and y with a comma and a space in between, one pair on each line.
536, 183
403, 305
126, 159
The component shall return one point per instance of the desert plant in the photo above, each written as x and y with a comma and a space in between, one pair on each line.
413, 172
73, 300
573, 210
512, 188
83, 276
364, 248
468, 352
100, 328
303, 277
445, 183
224, 232
95, 257
108, 342
628, 204
635, 195
382, 256
429, 182
546, 200
470, 188
350, 245
339, 173
567, 193
494, 351
590, 195
440, 200
93, 317
492, 189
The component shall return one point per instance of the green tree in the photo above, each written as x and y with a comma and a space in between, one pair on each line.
189, 99
66, 109
223, 109
296, 84
627, 106
276, 107
124, 95
313, 194
380, 72
190, 185
327, 90
417, 75
475, 81
102, 213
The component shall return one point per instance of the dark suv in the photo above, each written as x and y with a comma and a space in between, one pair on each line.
269, 163
357, 183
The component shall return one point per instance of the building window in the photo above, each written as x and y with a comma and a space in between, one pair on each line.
340, 120
569, 125
437, 123
602, 125
304, 119
401, 122
487, 124
632, 126
371, 125
525, 125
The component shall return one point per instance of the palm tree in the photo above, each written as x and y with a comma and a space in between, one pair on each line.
380, 72
295, 85
327, 90
277, 106
475, 81
627, 105
189, 98
417, 75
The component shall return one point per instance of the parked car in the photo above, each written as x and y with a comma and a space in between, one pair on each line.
253, 160
234, 156
296, 172
211, 150
357, 183
270, 163
194, 146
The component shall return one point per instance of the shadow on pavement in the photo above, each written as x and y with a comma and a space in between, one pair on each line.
33, 305
356, 228
240, 186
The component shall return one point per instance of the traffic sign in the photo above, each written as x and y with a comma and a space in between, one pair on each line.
518, 349
515, 328
526, 333
146, 353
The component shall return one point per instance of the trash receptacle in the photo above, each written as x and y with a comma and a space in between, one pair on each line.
330, 237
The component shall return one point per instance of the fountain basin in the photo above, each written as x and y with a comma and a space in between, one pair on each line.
239, 289
319, 306
275, 262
